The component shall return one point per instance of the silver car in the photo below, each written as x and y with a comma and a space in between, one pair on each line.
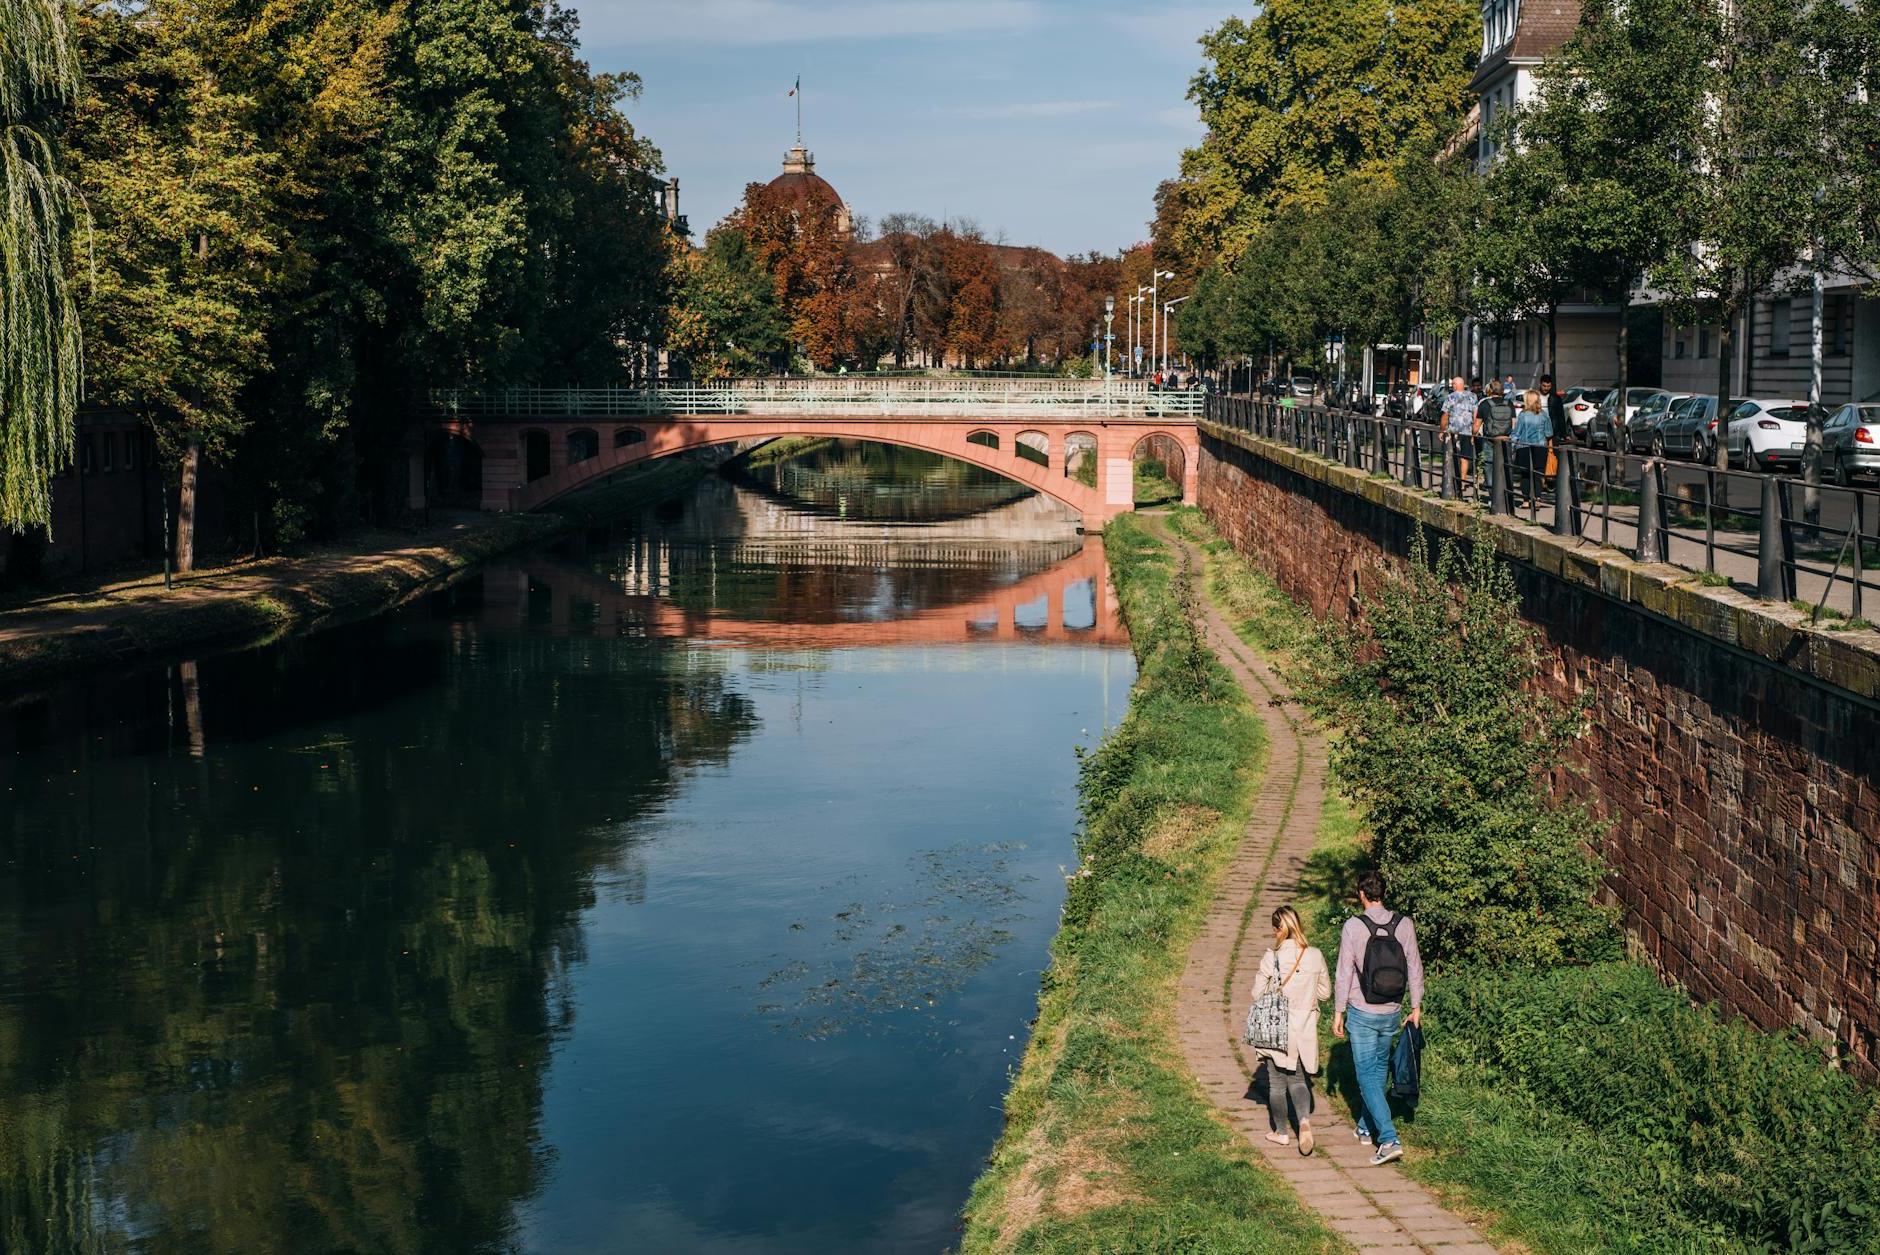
1850, 442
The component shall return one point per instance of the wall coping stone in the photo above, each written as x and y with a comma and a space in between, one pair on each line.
1848, 661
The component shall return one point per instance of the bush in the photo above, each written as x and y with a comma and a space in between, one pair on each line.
1737, 1137
1447, 746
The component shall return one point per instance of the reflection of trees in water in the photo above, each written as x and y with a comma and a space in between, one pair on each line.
865, 480
868, 961
299, 994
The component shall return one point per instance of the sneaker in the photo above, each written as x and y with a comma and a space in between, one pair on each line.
1306, 1140
1364, 1137
1385, 1153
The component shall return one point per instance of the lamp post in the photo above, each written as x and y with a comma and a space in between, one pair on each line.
1166, 307
1135, 346
1155, 277
1109, 318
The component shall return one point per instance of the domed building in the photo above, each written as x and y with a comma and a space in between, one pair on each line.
800, 182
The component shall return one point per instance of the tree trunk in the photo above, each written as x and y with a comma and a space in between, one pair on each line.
1622, 374
186, 507
1811, 456
1553, 343
1726, 359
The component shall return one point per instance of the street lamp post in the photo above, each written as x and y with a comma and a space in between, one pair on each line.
1135, 348
1109, 318
1166, 307
1155, 277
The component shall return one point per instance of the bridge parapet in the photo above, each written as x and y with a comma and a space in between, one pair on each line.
1051, 400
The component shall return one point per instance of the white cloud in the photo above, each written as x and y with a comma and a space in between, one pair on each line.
721, 22
1033, 109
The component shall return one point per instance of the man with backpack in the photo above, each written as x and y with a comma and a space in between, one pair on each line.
1378, 965
1494, 420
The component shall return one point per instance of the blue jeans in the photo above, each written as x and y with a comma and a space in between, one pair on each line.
1370, 1033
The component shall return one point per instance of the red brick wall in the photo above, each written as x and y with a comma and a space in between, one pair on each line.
1744, 794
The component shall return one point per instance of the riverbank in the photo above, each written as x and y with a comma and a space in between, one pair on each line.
1109, 1144
248, 603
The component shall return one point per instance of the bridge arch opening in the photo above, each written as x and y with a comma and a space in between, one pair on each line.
534, 454
1080, 458
989, 439
1033, 446
583, 443
1161, 469
454, 466
624, 436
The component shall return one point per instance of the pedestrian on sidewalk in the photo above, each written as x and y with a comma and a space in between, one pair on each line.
1378, 965
1532, 430
1459, 423
1556, 411
1494, 420
1305, 982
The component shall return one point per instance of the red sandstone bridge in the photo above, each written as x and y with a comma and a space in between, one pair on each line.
537, 444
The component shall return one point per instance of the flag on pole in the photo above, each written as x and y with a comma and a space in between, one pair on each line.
792, 91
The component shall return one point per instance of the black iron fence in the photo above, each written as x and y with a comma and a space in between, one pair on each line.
1823, 541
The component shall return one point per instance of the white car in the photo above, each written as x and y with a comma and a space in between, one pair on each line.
1768, 432
1582, 404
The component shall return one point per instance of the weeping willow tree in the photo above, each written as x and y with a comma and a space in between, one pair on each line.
39, 345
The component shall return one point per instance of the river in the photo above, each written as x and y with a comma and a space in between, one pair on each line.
684, 888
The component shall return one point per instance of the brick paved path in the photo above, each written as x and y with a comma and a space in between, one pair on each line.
1377, 1209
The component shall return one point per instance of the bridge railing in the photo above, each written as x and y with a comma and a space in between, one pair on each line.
1054, 400
1761, 532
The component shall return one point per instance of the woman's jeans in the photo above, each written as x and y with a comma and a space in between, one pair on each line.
1531, 469
1280, 1085
1370, 1033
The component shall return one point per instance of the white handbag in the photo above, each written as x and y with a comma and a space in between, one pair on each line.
1269, 1019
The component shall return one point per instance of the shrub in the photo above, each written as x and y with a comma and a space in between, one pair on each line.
1738, 1136
1447, 746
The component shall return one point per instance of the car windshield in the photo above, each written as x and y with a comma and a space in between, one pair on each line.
1637, 396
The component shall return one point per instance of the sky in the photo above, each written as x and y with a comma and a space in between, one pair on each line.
1044, 122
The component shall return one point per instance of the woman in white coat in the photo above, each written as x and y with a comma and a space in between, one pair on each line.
1306, 982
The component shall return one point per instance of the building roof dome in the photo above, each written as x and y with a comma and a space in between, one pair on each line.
803, 185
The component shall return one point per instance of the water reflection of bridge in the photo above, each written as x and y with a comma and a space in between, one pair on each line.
1067, 602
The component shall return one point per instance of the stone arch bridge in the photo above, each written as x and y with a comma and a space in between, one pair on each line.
1073, 440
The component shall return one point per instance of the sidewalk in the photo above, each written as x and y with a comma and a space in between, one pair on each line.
129, 620
1376, 1209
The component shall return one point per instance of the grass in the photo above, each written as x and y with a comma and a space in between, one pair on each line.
1109, 1145
1493, 1137
1153, 486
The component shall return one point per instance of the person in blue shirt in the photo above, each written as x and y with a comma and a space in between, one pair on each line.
1532, 430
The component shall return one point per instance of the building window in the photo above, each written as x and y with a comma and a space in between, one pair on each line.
1680, 341
1837, 325
1781, 327
87, 461
1703, 342
131, 440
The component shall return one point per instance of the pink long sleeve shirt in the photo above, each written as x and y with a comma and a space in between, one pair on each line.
1351, 943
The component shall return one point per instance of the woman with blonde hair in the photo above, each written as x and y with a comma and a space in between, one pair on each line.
1305, 982
1532, 430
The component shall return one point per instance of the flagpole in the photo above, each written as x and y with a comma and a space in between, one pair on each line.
799, 111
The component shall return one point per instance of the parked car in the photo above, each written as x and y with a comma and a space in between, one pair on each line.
1690, 431
1582, 405
1768, 433
1635, 397
1850, 443
1644, 424
1303, 385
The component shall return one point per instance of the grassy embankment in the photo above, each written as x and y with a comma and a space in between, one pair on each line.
1594, 1108
1109, 1144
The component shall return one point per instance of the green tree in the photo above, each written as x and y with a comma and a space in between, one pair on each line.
1303, 93
39, 326
725, 320
1451, 747
187, 233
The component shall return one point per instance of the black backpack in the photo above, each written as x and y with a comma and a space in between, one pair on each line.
1497, 416
1386, 971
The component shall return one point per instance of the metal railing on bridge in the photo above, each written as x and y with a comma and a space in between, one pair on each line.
1771, 535
1054, 400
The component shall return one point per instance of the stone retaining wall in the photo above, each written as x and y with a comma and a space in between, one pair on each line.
1735, 750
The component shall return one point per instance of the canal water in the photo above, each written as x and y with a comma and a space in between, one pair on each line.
683, 889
